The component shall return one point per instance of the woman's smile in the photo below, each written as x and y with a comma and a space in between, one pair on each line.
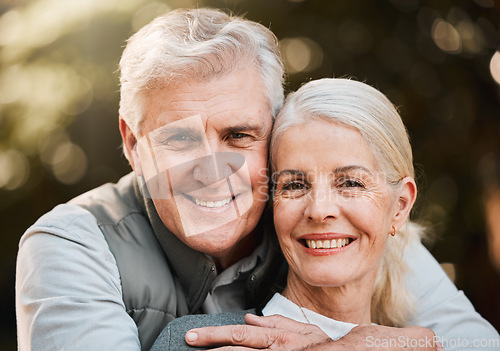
320, 244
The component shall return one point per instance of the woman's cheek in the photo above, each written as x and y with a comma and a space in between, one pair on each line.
279, 215
287, 212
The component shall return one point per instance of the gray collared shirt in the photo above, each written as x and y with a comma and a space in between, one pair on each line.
228, 290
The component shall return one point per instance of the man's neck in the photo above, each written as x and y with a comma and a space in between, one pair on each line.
241, 250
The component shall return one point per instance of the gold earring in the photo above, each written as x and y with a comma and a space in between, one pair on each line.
393, 231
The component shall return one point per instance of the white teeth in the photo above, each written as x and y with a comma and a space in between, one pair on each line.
212, 204
326, 244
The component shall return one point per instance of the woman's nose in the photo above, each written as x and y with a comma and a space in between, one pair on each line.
322, 205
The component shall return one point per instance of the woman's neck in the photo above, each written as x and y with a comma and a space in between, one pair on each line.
348, 303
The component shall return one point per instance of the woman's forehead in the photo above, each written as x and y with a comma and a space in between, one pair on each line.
323, 145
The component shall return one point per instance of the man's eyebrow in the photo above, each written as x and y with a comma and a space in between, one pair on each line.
244, 127
345, 169
165, 131
173, 129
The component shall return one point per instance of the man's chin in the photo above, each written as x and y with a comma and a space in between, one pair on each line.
222, 241
223, 236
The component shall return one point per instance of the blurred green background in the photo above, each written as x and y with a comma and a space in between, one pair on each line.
434, 59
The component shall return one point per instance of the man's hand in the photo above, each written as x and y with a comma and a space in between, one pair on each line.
270, 333
283, 334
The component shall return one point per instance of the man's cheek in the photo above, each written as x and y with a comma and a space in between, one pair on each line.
153, 182
241, 185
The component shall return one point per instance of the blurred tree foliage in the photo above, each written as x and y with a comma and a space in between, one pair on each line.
59, 101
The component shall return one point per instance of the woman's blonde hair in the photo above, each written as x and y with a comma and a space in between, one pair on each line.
364, 108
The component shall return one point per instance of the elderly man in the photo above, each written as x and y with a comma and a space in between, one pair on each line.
185, 232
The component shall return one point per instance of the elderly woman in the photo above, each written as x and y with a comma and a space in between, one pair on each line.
343, 190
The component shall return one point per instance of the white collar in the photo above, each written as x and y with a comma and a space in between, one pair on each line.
281, 305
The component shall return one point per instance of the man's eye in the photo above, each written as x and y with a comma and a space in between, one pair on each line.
178, 142
177, 138
238, 135
239, 140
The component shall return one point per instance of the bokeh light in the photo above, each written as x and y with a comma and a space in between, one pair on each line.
69, 163
446, 36
301, 54
14, 169
495, 66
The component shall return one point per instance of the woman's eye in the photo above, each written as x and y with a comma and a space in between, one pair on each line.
351, 183
293, 186
290, 190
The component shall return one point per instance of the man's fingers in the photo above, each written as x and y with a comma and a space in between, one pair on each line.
439, 347
237, 348
276, 321
247, 335
262, 333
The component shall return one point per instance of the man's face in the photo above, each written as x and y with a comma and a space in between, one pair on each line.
202, 151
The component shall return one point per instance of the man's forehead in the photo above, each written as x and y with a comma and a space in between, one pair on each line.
236, 121
234, 99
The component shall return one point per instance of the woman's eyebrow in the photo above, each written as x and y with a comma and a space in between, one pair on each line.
294, 172
350, 168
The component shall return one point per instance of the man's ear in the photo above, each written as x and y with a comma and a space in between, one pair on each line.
130, 146
404, 202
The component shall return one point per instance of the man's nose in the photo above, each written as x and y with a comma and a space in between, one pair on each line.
322, 206
217, 166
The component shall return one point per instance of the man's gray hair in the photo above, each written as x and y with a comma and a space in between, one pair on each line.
199, 44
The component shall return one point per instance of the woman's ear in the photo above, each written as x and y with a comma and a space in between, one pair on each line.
404, 202
130, 146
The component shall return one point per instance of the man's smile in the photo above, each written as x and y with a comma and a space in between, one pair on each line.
211, 203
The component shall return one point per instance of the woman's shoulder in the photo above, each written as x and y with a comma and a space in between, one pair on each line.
172, 336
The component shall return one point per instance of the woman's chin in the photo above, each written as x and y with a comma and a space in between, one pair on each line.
335, 276
327, 280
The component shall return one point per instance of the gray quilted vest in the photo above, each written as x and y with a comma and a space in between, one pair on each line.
161, 277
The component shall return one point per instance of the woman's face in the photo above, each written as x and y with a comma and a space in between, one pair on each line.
333, 210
